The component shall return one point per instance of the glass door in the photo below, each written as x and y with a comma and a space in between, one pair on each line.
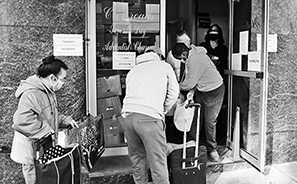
248, 78
118, 31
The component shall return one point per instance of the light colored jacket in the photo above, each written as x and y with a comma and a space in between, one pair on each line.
151, 87
202, 73
175, 64
36, 116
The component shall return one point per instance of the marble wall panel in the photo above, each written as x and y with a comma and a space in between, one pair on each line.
282, 84
27, 28
282, 68
282, 96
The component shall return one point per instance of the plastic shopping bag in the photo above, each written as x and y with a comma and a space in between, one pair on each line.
183, 115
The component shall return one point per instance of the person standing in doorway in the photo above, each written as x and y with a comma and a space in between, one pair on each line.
179, 66
204, 77
37, 115
216, 50
151, 91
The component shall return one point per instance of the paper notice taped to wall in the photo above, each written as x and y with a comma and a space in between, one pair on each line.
271, 42
236, 61
68, 44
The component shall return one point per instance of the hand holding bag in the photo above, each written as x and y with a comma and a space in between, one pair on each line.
92, 140
90, 137
183, 115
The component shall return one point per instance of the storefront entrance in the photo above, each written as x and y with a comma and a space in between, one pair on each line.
117, 31
248, 80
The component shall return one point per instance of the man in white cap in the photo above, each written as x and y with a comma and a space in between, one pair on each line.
151, 91
178, 65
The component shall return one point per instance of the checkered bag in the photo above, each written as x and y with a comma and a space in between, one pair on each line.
90, 137
92, 140
51, 153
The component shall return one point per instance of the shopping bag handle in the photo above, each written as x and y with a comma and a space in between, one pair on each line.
193, 105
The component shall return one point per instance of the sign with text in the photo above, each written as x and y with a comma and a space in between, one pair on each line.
123, 60
68, 44
254, 63
204, 22
271, 42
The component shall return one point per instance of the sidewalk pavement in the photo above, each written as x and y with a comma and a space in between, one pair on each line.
276, 174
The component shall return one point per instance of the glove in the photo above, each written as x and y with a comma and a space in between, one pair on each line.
190, 95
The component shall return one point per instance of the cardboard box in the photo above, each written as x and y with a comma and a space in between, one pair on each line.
109, 106
113, 133
109, 86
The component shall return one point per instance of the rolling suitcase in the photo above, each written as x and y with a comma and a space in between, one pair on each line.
188, 165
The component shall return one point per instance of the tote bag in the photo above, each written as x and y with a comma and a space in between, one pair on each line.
59, 165
90, 137
183, 115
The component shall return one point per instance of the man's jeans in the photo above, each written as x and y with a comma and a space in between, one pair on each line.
29, 173
147, 147
211, 103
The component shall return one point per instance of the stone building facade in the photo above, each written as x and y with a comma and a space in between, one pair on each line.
27, 29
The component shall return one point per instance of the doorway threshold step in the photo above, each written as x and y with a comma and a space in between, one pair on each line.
112, 169
226, 163
118, 169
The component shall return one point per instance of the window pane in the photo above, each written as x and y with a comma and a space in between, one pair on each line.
246, 95
123, 30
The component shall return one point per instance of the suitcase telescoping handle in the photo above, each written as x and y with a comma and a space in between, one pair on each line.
198, 106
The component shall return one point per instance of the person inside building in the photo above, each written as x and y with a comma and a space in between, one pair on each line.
218, 52
151, 91
37, 116
179, 65
203, 76
173, 135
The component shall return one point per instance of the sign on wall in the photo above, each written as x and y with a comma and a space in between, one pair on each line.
243, 42
68, 44
123, 60
204, 22
271, 42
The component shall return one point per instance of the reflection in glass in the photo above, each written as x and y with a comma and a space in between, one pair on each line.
246, 95
125, 26
123, 30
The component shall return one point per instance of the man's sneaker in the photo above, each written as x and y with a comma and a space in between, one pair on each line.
214, 156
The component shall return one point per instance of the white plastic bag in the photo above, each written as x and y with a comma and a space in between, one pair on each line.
183, 116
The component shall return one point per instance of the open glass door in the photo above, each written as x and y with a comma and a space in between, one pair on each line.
118, 30
248, 81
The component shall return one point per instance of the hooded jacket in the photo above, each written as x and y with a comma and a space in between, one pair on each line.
151, 87
36, 116
202, 73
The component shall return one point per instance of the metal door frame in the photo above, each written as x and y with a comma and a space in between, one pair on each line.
257, 162
91, 68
